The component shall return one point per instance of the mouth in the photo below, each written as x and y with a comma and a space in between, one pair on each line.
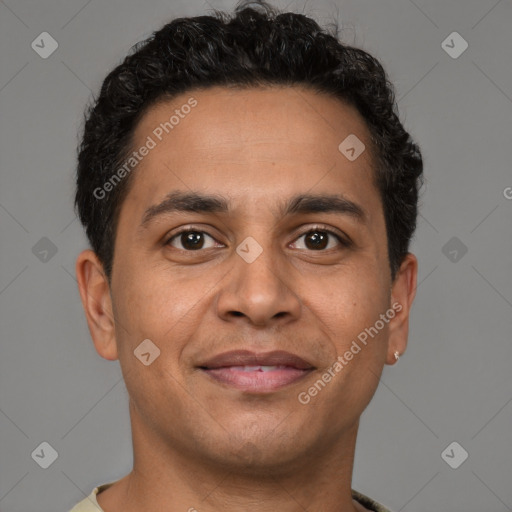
257, 373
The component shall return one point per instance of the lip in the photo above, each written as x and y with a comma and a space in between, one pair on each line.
248, 358
228, 369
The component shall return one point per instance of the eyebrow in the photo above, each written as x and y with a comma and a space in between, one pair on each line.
196, 202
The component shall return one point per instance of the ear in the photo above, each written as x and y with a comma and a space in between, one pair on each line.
403, 291
95, 294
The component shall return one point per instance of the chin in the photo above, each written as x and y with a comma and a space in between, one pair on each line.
267, 454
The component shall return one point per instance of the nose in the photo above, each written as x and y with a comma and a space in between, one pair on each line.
259, 292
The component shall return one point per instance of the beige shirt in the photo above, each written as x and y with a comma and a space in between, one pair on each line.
90, 504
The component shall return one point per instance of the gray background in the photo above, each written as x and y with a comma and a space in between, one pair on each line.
453, 383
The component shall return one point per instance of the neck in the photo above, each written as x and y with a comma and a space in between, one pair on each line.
165, 476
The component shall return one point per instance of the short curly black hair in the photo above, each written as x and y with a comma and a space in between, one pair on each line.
256, 46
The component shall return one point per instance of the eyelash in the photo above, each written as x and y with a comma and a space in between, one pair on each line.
318, 228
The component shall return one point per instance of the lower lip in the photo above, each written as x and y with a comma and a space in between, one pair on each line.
257, 381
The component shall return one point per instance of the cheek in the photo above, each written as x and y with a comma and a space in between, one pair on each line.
156, 306
149, 300
348, 306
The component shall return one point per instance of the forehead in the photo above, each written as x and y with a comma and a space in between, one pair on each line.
253, 145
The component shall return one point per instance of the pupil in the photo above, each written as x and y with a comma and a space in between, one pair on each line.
194, 239
318, 239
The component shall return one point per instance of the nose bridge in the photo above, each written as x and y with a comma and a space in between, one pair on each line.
258, 287
258, 263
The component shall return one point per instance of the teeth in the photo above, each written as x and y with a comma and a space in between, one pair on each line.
248, 368
269, 368
256, 368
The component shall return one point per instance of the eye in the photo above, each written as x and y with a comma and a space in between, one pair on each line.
190, 240
318, 239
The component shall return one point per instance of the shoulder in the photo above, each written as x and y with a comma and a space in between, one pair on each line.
368, 503
90, 504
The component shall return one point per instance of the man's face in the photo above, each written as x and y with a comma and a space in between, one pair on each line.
199, 295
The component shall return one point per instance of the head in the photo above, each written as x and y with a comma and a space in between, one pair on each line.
243, 130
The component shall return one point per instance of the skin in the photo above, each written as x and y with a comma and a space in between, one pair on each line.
201, 444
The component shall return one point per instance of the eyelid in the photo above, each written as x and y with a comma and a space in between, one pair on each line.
185, 229
340, 235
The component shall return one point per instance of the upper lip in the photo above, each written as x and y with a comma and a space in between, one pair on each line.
248, 358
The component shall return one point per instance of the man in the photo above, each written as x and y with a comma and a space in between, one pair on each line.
249, 194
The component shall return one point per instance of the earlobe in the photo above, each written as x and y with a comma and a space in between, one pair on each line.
95, 294
403, 292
